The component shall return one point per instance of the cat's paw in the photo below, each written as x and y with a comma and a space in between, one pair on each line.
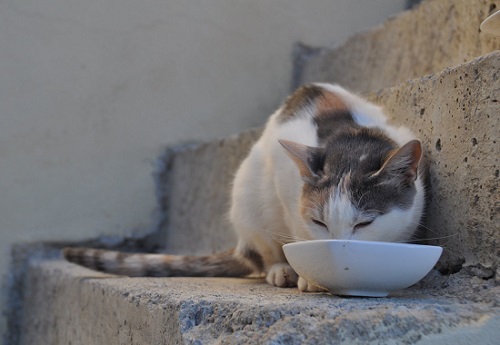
282, 275
305, 286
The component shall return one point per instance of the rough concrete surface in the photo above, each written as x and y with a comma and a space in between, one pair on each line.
456, 114
67, 304
427, 39
195, 189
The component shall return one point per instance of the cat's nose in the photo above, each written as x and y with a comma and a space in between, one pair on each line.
343, 234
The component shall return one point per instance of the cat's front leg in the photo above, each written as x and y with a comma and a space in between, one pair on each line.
281, 275
305, 286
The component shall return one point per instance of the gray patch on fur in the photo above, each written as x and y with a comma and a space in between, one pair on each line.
341, 157
332, 123
152, 269
255, 258
99, 264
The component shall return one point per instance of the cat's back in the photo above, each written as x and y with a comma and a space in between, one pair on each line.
315, 112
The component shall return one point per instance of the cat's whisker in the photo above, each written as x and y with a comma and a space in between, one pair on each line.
456, 255
284, 235
295, 239
278, 240
443, 244
430, 238
422, 226
284, 238
449, 251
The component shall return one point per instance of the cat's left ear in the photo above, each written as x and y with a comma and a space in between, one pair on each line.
308, 159
401, 167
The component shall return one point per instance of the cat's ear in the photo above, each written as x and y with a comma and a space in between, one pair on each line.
401, 167
308, 159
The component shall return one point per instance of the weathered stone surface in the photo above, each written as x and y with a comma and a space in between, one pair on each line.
427, 39
195, 188
456, 115
67, 304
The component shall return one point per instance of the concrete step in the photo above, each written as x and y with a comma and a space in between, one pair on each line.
194, 185
67, 304
455, 113
425, 40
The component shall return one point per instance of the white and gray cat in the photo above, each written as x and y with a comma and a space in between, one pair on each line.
327, 166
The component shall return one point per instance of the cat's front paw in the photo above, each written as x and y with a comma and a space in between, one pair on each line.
305, 286
282, 275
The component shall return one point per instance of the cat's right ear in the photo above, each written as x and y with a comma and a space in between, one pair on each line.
308, 159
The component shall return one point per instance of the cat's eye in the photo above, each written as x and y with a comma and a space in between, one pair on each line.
363, 224
319, 222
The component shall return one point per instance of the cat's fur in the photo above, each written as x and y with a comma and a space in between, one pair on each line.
327, 166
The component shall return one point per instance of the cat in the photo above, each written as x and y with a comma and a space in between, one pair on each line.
327, 166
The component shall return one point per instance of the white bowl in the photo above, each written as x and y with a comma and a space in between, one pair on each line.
361, 268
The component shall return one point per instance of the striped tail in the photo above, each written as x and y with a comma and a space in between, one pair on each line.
225, 264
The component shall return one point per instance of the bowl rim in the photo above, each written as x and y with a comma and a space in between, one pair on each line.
371, 243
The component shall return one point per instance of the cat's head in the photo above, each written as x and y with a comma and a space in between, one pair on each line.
363, 193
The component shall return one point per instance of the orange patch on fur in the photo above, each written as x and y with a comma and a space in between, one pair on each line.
330, 102
312, 202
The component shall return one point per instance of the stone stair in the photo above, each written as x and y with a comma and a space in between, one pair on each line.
455, 111
65, 304
433, 36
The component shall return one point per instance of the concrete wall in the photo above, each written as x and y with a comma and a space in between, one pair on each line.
91, 91
436, 35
